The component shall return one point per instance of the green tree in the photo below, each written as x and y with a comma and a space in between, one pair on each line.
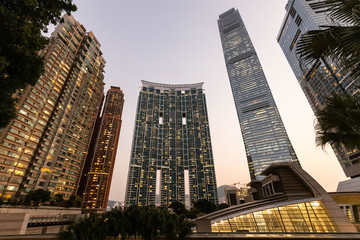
339, 121
184, 227
150, 221
92, 227
115, 223
73, 201
37, 197
178, 207
131, 222
205, 206
339, 42
168, 226
22, 24
192, 214
57, 200
222, 206
175, 226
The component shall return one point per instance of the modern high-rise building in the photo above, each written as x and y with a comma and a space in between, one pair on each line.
45, 146
171, 151
96, 179
320, 78
265, 138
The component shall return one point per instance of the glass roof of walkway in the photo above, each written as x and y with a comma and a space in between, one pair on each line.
287, 200
302, 217
273, 236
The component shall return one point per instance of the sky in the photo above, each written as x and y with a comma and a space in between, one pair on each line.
173, 41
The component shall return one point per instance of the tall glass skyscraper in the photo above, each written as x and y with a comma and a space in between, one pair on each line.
97, 175
321, 78
45, 146
265, 138
171, 151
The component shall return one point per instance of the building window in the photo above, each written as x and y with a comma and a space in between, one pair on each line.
183, 118
292, 12
311, 215
161, 118
293, 42
318, 7
298, 20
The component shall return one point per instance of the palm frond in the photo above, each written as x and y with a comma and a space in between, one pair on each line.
313, 45
346, 11
338, 122
336, 139
338, 43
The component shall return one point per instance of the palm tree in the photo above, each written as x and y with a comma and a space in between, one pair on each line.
339, 41
150, 221
92, 227
184, 227
339, 121
114, 222
131, 222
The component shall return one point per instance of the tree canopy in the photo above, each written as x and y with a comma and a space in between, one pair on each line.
22, 24
178, 208
35, 197
205, 206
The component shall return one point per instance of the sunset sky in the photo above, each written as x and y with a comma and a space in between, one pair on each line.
169, 41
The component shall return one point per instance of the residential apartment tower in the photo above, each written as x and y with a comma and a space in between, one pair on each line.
45, 146
171, 150
96, 179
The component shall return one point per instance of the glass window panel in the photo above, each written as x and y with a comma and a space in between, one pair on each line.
302, 217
